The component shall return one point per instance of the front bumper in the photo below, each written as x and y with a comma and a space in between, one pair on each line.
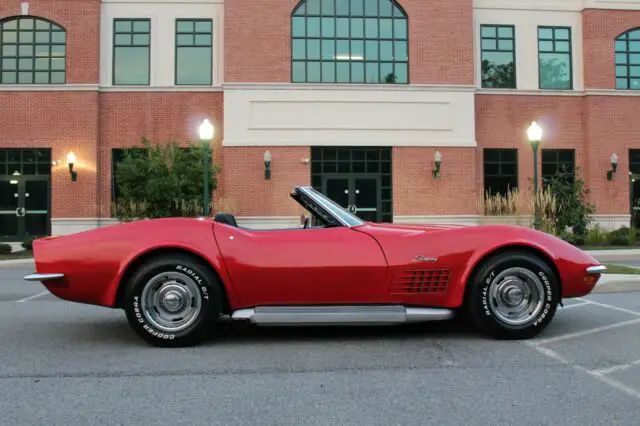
43, 277
598, 269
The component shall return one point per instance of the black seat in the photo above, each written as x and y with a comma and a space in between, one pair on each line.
226, 218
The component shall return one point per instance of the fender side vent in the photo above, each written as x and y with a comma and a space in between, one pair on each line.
421, 281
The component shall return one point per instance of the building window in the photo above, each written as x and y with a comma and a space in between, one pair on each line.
349, 41
25, 161
194, 53
554, 58
32, 51
556, 161
628, 60
131, 51
498, 56
500, 170
634, 161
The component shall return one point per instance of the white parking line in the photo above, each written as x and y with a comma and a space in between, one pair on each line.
35, 296
621, 367
577, 305
595, 374
615, 308
584, 332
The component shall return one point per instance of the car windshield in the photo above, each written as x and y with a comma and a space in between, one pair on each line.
333, 208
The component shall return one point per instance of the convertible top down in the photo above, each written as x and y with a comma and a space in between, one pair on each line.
177, 277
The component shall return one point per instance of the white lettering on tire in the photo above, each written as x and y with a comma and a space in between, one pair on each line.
138, 314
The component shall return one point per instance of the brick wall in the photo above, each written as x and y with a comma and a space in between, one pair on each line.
161, 117
247, 193
267, 57
63, 122
415, 192
600, 28
612, 125
502, 122
81, 20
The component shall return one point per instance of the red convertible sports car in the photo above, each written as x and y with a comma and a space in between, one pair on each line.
177, 277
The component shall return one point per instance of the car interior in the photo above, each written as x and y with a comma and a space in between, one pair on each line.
317, 219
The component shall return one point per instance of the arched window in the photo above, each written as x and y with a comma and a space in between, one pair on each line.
628, 60
32, 51
349, 41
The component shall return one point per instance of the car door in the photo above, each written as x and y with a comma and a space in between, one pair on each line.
302, 266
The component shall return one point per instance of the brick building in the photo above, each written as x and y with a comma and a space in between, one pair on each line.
344, 94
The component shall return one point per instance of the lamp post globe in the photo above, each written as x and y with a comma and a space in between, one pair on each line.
206, 131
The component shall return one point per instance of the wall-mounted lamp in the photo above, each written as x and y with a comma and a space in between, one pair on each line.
71, 160
437, 157
614, 166
267, 165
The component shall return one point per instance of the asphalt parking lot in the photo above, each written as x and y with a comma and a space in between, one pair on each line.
73, 364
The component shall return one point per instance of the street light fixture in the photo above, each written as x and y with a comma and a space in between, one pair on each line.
534, 132
206, 135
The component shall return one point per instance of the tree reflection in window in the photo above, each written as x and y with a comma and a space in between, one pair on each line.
349, 41
498, 56
554, 57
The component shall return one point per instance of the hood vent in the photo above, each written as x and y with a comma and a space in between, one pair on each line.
420, 281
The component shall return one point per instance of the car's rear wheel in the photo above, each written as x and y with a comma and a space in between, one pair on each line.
514, 295
173, 301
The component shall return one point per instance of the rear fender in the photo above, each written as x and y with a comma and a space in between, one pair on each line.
207, 252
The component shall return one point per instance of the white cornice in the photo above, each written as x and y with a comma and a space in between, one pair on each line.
299, 87
363, 87
556, 5
48, 87
97, 88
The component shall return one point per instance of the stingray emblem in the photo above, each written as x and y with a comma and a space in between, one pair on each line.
425, 259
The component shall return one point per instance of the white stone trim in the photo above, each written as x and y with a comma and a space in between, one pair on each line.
173, 89
516, 92
268, 222
365, 87
48, 87
175, 2
612, 92
65, 226
337, 115
556, 5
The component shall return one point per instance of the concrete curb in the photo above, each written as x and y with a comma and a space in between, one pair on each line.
16, 262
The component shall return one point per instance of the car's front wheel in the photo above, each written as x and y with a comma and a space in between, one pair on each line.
513, 296
172, 301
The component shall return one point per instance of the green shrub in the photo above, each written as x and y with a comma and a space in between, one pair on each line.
162, 180
572, 209
5, 249
596, 236
619, 237
28, 244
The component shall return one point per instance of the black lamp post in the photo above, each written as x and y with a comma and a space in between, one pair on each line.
206, 135
534, 132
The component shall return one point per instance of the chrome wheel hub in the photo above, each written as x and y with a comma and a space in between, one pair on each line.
516, 296
171, 301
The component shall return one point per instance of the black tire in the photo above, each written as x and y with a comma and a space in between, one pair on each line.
485, 288
173, 277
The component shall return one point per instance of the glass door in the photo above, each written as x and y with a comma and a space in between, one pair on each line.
11, 213
366, 194
36, 207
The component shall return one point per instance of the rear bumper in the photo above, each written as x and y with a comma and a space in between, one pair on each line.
43, 277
